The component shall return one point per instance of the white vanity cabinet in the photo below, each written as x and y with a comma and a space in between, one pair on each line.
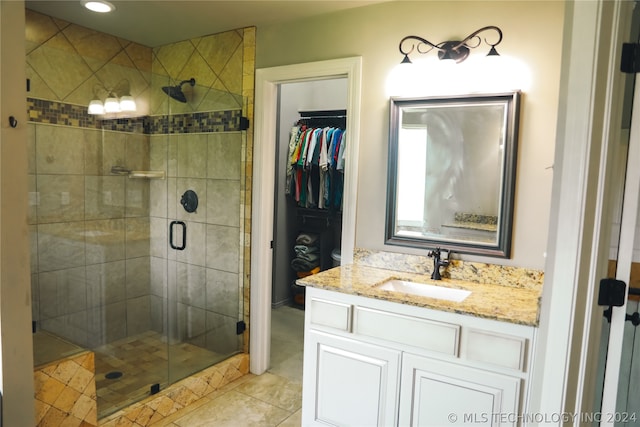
369, 362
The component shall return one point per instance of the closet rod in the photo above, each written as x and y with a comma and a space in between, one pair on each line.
322, 117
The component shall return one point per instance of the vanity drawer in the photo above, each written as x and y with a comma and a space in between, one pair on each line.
497, 349
330, 314
414, 331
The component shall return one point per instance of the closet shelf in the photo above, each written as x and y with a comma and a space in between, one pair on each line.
335, 118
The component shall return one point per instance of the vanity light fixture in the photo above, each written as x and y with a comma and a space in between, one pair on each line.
116, 100
452, 49
99, 6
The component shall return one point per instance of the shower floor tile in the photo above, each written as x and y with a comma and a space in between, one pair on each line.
142, 361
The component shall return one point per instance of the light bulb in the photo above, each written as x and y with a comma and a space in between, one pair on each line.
111, 105
98, 6
127, 103
96, 107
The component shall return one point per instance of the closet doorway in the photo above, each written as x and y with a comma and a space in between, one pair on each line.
307, 227
269, 82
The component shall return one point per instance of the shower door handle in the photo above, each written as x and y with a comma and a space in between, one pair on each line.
184, 235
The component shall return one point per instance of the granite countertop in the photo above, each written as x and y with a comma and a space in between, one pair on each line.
498, 302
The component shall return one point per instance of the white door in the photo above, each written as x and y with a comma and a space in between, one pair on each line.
620, 397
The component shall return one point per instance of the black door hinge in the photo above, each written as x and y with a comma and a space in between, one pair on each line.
154, 389
240, 327
612, 292
630, 61
244, 123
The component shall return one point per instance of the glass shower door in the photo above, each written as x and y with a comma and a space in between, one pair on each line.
204, 231
131, 355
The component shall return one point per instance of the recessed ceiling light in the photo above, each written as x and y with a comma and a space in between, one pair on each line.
100, 6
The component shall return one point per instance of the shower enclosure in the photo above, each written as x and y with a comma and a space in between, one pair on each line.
137, 229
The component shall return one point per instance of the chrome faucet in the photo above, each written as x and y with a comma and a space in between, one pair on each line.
437, 263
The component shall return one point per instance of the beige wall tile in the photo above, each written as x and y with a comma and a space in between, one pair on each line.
159, 237
137, 237
61, 198
194, 252
191, 281
137, 151
138, 315
103, 151
31, 148
105, 283
192, 156
231, 75
223, 248
172, 57
223, 202
137, 276
34, 198
59, 150
222, 292
60, 68
158, 198
39, 27
104, 240
137, 197
104, 197
62, 292
60, 245
224, 156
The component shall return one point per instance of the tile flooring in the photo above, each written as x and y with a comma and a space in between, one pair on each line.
140, 361
268, 400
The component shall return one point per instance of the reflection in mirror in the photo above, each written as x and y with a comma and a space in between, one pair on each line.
452, 171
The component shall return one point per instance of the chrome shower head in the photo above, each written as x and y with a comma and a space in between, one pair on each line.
176, 92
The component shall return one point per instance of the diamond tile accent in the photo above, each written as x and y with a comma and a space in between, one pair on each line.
65, 392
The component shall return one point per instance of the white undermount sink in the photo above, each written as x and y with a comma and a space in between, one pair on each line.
424, 290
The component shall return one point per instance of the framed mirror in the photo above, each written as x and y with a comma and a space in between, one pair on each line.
452, 172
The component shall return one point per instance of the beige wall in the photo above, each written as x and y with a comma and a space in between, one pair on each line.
532, 33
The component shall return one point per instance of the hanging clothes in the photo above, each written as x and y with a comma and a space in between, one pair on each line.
315, 166
294, 136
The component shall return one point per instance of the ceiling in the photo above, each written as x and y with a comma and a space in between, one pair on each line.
155, 23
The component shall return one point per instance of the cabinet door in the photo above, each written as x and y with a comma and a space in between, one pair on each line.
348, 383
437, 393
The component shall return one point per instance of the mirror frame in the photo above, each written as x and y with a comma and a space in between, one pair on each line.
502, 246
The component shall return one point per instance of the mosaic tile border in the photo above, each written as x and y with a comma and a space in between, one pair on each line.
60, 113
215, 121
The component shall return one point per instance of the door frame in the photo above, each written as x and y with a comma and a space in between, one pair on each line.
568, 337
264, 151
16, 343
